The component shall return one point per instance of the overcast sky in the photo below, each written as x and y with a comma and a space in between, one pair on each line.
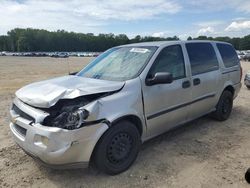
145, 17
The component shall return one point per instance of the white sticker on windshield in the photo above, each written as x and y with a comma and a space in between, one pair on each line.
140, 50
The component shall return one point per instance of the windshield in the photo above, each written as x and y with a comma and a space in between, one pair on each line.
119, 64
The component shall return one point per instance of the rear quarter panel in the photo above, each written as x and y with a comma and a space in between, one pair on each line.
230, 76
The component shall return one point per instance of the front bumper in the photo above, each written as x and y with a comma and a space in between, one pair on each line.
56, 147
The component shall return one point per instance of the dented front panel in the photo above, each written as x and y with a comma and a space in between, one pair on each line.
47, 93
126, 102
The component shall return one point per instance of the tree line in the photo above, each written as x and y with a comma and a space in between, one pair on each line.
34, 40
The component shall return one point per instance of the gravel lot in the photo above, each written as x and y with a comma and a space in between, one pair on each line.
203, 153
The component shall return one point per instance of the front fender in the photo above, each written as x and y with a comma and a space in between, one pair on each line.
126, 102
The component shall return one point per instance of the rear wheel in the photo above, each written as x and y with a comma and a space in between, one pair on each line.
118, 148
224, 106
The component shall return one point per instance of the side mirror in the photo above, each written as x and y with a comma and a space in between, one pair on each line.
160, 78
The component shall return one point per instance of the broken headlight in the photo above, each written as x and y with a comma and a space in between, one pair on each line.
67, 119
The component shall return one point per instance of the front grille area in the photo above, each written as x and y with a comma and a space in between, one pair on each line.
20, 130
22, 114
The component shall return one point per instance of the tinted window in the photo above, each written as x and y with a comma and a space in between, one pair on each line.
170, 60
228, 55
202, 57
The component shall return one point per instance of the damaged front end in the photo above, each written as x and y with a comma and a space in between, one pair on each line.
63, 98
57, 135
70, 113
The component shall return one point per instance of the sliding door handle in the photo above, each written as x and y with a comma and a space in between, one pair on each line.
196, 81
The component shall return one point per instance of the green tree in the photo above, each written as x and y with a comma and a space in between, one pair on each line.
245, 43
42, 40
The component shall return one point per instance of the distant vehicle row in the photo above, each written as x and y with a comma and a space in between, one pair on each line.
51, 54
244, 55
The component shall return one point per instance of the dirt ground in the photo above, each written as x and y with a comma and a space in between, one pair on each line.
204, 153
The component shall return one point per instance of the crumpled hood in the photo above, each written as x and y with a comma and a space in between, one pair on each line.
46, 93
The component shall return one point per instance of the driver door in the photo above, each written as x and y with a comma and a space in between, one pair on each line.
166, 105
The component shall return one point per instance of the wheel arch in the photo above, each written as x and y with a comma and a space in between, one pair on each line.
132, 118
229, 88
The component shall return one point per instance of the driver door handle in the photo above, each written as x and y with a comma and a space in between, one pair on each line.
186, 84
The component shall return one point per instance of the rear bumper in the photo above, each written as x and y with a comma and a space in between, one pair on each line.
56, 147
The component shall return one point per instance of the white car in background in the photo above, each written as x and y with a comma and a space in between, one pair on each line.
240, 55
247, 57
247, 80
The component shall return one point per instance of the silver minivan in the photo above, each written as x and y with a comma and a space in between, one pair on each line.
124, 97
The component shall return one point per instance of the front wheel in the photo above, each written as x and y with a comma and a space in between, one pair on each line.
118, 148
224, 106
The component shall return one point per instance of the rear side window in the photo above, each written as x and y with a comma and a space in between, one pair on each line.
228, 55
202, 57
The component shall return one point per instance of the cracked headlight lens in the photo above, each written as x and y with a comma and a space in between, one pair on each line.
75, 119
68, 120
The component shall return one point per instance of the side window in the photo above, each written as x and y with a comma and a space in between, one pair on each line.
228, 55
202, 57
171, 60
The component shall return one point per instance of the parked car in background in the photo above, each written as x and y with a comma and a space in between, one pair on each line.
96, 54
73, 54
51, 54
246, 57
124, 97
41, 54
60, 55
81, 54
247, 80
88, 54
240, 55
2, 53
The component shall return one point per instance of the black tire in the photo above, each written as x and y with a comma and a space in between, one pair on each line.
247, 176
224, 106
248, 87
118, 148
